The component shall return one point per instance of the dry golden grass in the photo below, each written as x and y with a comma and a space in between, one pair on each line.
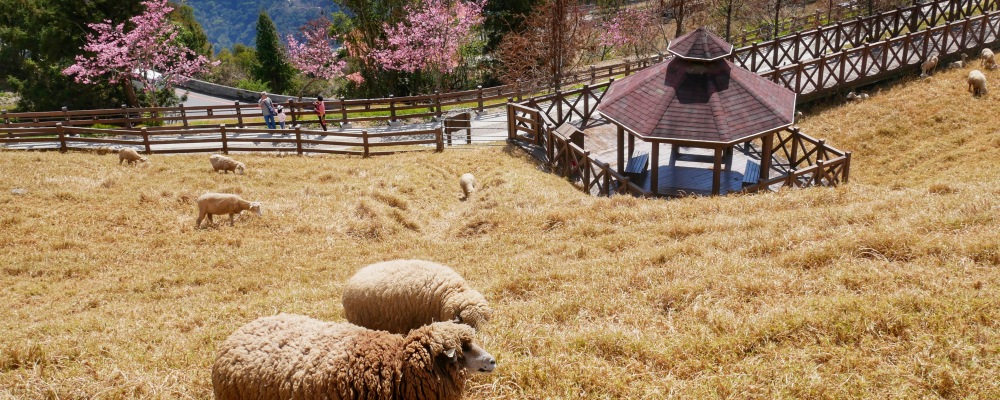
883, 288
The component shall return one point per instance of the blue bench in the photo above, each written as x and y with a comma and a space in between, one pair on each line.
637, 165
751, 174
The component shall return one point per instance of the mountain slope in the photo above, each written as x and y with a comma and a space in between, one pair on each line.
230, 22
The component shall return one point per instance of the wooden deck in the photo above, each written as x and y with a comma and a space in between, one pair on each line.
687, 173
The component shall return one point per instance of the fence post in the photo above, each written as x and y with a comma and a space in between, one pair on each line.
62, 137
392, 109
479, 98
440, 139
586, 104
847, 165
145, 140
794, 142
298, 140
510, 120
184, 118
790, 182
437, 105
364, 140
239, 113
586, 170
818, 175
128, 120
291, 110
821, 150
225, 145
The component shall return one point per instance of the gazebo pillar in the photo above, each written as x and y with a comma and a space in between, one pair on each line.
654, 174
717, 172
631, 145
621, 150
765, 156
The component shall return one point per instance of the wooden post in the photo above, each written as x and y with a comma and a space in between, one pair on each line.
291, 110
6, 121
559, 106
62, 137
765, 156
225, 144
392, 108
654, 173
511, 132
631, 146
586, 105
818, 175
145, 140
128, 121
298, 140
585, 164
364, 139
479, 97
343, 112
440, 139
621, 150
437, 105
821, 150
847, 166
717, 172
794, 142
184, 115
239, 114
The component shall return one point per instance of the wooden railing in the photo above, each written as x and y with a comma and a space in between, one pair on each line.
808, 162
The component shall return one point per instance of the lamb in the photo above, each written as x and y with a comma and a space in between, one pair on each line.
928, 66
129, 154
960, 63
989, 62
401, 295
851, 96
977, 82
223, 203
296, 357
221, 162
468, 183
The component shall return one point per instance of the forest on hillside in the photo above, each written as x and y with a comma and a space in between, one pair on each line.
229, 22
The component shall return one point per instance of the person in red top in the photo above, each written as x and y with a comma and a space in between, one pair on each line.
320, 108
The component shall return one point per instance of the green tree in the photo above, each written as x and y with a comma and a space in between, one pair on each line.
273, 67
191, 34
503, 16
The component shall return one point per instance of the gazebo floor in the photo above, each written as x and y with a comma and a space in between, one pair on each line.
689, 173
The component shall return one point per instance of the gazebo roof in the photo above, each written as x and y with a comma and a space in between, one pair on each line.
700, 44
687, 101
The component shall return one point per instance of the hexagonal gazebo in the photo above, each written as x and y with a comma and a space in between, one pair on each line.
698, 100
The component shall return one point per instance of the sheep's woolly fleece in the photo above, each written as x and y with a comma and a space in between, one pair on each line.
297, 357
401, 295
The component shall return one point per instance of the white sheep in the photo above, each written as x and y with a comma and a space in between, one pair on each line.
989, 62
221, 162
224, 203
129, 154
468, 183
851, 96
960, 63
296, 357
401, 295
928, 66
977, 82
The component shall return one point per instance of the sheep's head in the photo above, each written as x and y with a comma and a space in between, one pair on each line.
256, 208
452, 345
474, 315
240, 168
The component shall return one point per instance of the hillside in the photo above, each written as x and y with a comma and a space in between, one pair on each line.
230, 22
882, 288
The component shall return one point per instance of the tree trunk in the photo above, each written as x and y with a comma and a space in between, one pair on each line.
130, 97
729, 20
777, 11
679, 16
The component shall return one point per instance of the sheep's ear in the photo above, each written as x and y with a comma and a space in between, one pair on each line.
457, 319
450, 353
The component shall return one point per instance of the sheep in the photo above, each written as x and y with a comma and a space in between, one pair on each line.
291, 356
129, 154
928, 66
960, 63
852, 96
989, 62
468, 183
221, 162
977, 82
223, 203
401, 295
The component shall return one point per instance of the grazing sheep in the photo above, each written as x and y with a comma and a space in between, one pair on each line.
221, 162
960, 63
296, 357
102, 150
223, 203
977, 82
401, 295
989, 62
851, 96
129, 154
468, 183
928, 66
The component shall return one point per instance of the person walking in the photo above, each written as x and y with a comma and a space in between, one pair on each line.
267, 110
320, 108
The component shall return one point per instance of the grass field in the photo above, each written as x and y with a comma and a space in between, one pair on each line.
883, 288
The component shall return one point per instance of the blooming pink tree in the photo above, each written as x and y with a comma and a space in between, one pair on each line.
315, 55
149, 53
631, 30
430, 37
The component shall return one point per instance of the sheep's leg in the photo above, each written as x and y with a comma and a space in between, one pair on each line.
201, 216
231, 221
210, 222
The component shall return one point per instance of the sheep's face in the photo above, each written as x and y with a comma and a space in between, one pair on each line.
256, 208
239, 168
474, 358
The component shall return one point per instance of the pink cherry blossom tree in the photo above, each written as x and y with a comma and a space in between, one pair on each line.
315, 54
430, 37
631, 30
148, 53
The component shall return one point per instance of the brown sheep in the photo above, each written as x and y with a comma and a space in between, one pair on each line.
223, 203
